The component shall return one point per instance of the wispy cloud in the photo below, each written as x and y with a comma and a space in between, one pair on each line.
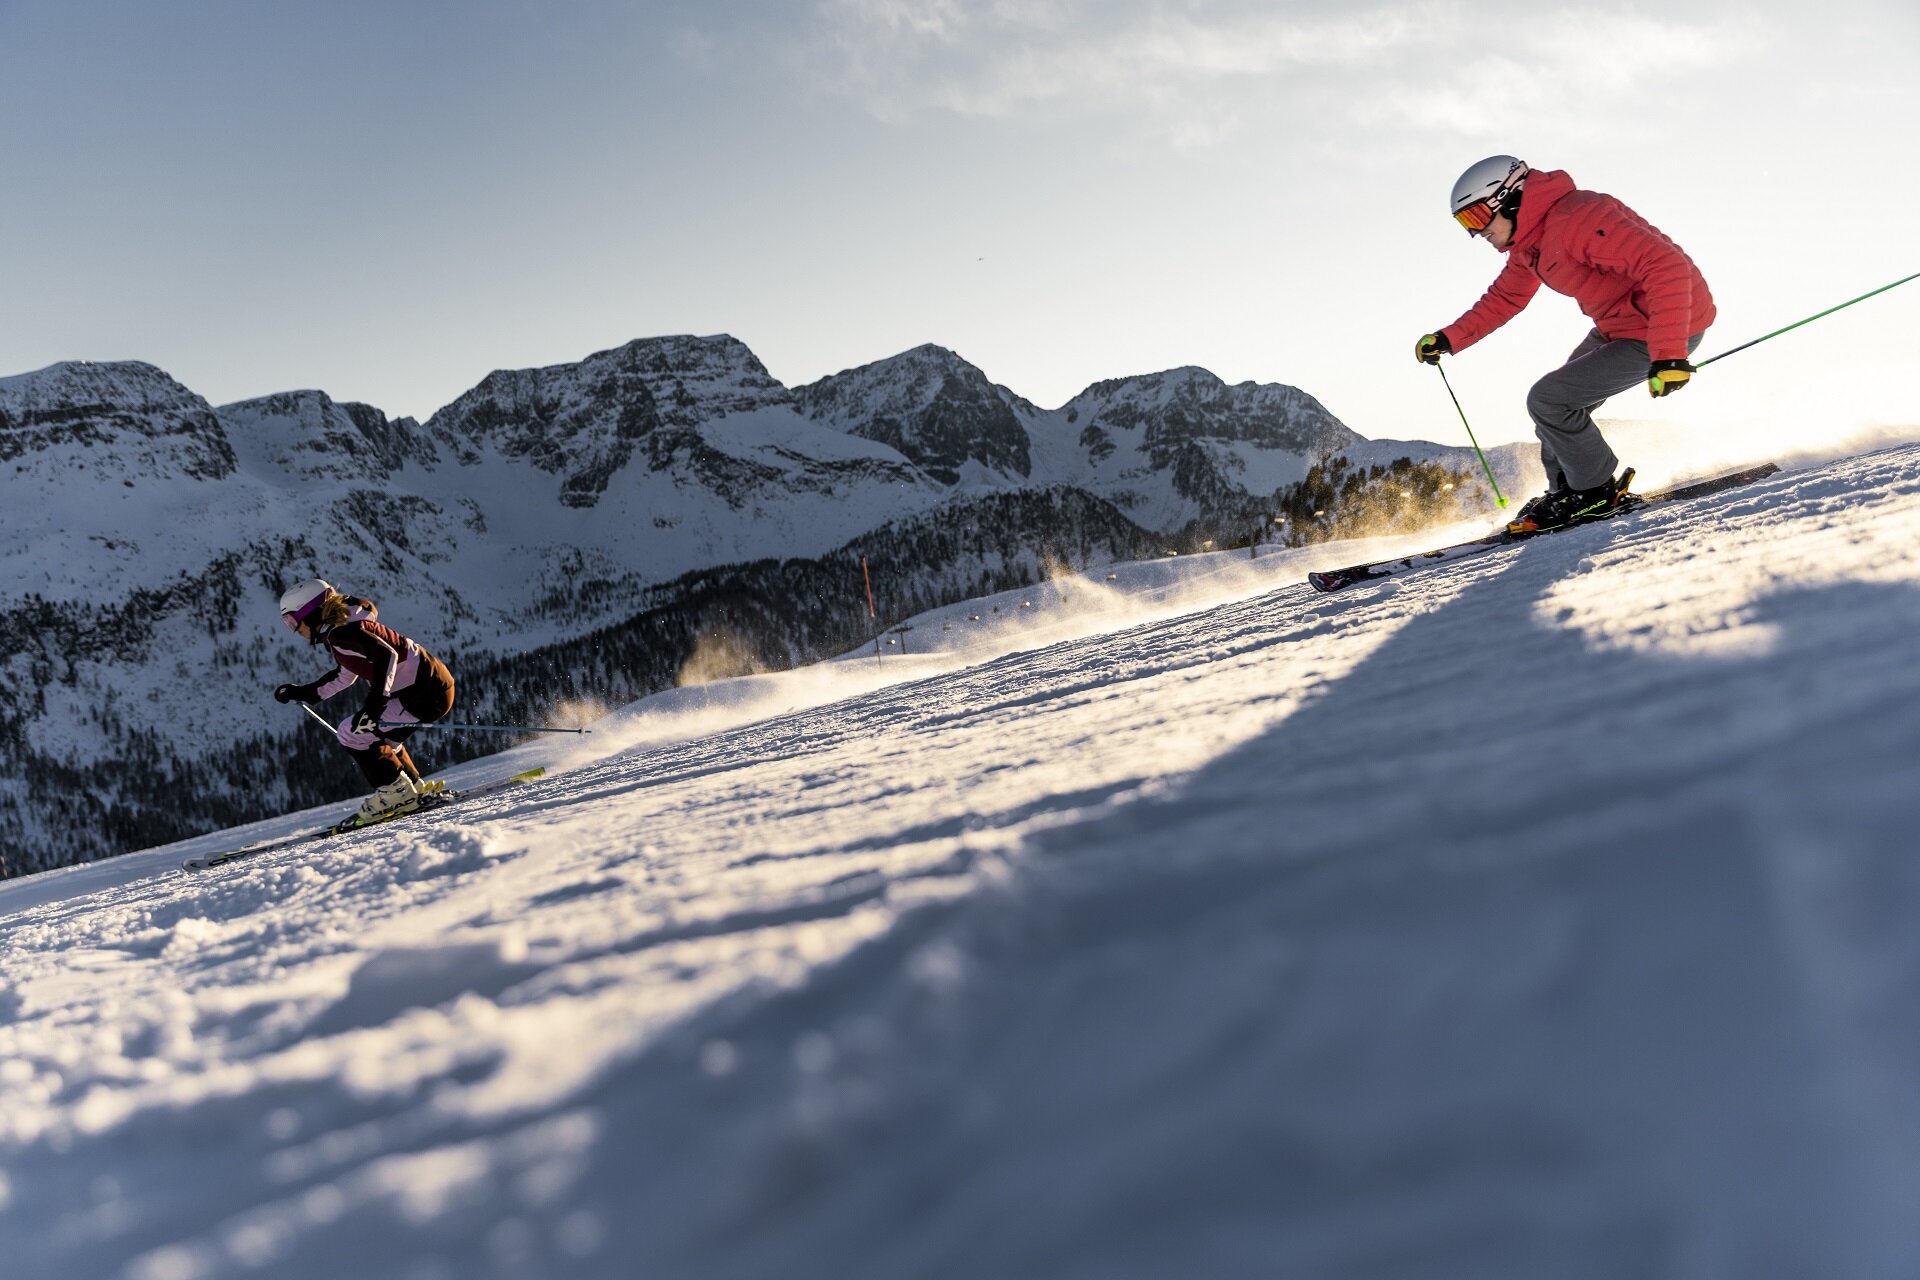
1576, 73
997, 58
1195, 71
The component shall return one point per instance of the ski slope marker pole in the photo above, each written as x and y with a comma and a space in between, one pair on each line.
1499, 499
872, 616
1809, 320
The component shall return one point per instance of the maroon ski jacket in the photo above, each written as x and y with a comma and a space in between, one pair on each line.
392, 665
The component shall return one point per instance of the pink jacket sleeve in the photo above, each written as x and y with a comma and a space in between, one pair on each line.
1504, 299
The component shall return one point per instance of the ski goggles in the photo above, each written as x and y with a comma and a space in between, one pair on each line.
303, 616
1477, 217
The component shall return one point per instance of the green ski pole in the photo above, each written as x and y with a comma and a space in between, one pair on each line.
1809, 320
1499, 498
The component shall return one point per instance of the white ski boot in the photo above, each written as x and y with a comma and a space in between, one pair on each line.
397, 797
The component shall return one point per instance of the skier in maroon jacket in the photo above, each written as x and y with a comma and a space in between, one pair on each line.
406, 687
1648, 302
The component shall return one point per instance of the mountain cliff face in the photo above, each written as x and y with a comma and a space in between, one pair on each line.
1172, 447
531, 531
304, 436
584, 422
124, 422
935, 410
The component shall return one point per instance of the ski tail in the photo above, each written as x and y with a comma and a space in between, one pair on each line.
1718, 484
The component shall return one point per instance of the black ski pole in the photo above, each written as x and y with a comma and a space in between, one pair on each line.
457, 724
317, 716
1809, 320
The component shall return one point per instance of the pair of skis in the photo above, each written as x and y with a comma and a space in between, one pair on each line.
426, 804
1336, 579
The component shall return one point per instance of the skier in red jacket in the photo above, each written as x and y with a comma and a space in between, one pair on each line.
407, 686
1649, 305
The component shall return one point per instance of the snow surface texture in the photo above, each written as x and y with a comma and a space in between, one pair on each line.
1549, 914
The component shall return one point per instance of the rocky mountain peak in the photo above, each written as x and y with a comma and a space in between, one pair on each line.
691, 379
901, 384
934, 408
1190, 403
309, 435
129, 386
583, 421
127, 419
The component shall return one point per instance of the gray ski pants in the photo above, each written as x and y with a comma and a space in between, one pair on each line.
1562, 404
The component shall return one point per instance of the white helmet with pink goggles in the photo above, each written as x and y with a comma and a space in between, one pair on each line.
1486, 190
300, 604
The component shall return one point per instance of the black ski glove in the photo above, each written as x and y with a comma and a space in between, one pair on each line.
1431, 347
292, 693
1667, 376
367, 722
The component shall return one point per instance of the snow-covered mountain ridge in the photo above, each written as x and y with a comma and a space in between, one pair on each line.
122, 422
669, 488
1547, 914
695, 429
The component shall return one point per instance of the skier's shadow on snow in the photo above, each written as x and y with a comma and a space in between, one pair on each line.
1556, 912
1454, 733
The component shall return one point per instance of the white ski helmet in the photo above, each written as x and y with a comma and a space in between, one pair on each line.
301, 602
1486, 189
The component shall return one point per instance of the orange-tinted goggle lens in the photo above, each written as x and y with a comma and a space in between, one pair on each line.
1476, 217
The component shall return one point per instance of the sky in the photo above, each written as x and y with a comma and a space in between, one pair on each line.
388, 201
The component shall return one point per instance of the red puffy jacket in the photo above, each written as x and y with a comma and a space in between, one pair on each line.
1631, 280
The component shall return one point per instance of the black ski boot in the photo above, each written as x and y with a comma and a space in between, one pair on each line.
1558, 508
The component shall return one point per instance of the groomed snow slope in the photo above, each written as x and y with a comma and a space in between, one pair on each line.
1545, 915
